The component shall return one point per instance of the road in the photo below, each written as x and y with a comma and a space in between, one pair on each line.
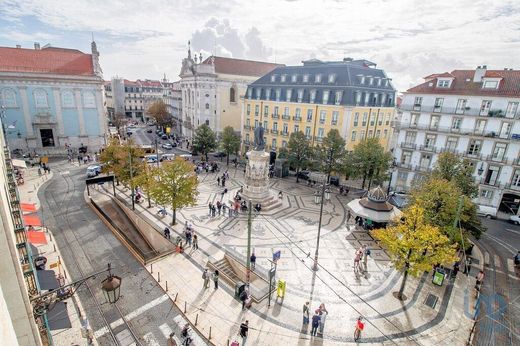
498, 322
87, 245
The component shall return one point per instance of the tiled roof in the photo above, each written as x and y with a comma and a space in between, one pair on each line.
46, 60
347, 75
150, 83
130, 83
241, 67
463, 84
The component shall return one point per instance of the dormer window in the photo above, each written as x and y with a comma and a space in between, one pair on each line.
362, 79
273, 78
267, 94
249, 93
312, 96
288, 95
282, 78
294, 78
306, 78
300, 95
339, 95
258, 93
379, 82
317, 78
332, 78
443, 83
325, 96
278, 93
370, 80
490, 84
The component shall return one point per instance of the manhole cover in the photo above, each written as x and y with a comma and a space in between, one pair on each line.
431, 300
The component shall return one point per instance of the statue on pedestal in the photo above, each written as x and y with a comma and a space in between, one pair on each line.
259, 143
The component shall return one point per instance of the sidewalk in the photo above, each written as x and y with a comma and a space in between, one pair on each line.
62, 332
346, 295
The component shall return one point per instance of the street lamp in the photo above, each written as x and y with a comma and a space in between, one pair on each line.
392, 167
111, 288
317, 197
327, 194
481, 168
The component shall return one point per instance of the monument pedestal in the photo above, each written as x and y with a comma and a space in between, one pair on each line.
257, 180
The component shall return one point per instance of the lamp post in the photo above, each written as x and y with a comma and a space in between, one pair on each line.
156, 152
394, 164
327, 194
481, 168
329, 165
131, 179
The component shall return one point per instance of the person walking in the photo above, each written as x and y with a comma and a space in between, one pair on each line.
315, 322
480, 278
213, 210
244, 329
243, 298
219, 207
306, 315
218, 181
171, 340
195, 242
366, 253
223, 182
349, 215
167, 233
357, 258
253, 261
205, 277
215, 278
210, 207
323, 317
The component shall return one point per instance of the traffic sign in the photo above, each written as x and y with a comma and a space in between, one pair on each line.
276, 255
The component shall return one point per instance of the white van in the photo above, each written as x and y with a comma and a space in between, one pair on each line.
186, 157
93, 171
487, 211
150, 158
167, 157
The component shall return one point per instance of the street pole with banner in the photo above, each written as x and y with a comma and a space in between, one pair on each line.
272, 273
248, 261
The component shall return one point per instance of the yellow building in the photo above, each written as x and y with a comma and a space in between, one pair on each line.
352, 96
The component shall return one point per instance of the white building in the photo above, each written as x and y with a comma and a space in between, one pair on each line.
172, 97
212, 89
473, 113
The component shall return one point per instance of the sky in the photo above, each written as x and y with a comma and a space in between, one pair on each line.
409, 39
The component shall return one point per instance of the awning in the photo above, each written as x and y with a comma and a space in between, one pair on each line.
376, 216
36, 237
32, 220
28, 207
19, 163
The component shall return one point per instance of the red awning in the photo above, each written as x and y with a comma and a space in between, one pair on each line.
28, 207
32, 220
36, 237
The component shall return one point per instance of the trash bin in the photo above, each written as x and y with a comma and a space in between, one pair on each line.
438, 277
239, 288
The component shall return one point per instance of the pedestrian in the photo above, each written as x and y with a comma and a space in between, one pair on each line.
480, 278
348, 215
210, 208
79, 160
244, 329
243, 297
315, 322
213, 211
167, 233
195, 242
280, 195
218, 181
171, 340
366, 253
215, 278
188, 237
306, 314
323, 317
223, 182
219, 207
456, 268
205, 277
322, 308
253, 261
357, 258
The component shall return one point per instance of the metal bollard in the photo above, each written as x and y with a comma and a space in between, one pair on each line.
209, 337
185, 304
151, 268
54, 247
158, 277
196, 319
166, 286
176, 294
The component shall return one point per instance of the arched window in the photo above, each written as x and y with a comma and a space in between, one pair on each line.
40, 98
232, 96
207, 122
89, 100
8, 98
207, 105
67, 99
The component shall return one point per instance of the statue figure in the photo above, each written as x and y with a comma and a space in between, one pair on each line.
259, 143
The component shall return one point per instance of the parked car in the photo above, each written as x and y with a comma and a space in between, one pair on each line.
151, 158
149, 130
167, 157
167, 146
219, 154
164, 137
487, 211
334, 181
93, 171
303, 175
515, 219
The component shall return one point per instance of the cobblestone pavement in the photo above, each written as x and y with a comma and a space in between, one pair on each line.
292, 229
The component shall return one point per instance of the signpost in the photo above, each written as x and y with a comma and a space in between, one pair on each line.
272, 273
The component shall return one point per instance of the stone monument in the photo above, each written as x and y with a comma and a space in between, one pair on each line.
257, 174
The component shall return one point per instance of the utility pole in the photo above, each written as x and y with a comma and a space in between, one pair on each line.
131, 178
329, 165
248, 260
156, 152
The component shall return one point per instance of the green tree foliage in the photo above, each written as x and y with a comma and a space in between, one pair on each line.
414, 245
175, 186
230, 142
298, 151
117, 157
370, 161
146, 180
159, 112
204, 140
452, 167
335, 144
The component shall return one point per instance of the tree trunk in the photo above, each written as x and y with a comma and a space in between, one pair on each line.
364, 180
149, 201
174, 216
227, 159
297, 171
405, 275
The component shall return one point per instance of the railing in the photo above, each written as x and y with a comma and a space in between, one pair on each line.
408, 145
475, 155
404, 165
476, 111
423, 168
275, 132
502, 159
461, 131
496, 183
333, 122
286, 117
285, 133
428, 148
275, 116
511, 186
247, 127
298, 119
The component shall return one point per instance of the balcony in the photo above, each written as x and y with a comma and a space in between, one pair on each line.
428, 148
275, 116
247, 127
333, 122
473, 155
491, 113
512, 186
449, 150
502, 159
423, 167
297, 119
496, 183
285, 133
318, 139
407, 145
274, 132
286, 117
405, 166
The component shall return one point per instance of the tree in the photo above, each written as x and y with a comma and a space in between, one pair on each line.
229, 142
109, 157
159, 112
299, 149
146, 180
370, 161
175, 186
335, 144
415, 246
119, 120
204, 140
440, 199
452, 167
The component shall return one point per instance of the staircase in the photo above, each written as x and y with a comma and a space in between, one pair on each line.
225, 270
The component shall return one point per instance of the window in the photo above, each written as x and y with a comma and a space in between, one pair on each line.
265, 124
275, 126
362, 135
305, 78
365, 117
418, 101
443, 83
282, 78
273, 78
273, 143
286, 111
429, 141
332, 78
284, 144
402, 176
288, 95
300, 95
249, 93
492, 175
434, 122
276, 110
8, 98
321, 132
515, 183
285, 128
323, 116
486, 194
266, 110
309, 115
339, 96
248, 109
232, 97
257, 109
256, 123
207, 122
326, 96
372, 119
385, 133
461, 106
335, 115
370, 132
370, 80
484, 107
511, 109
410, 137
455, 125
317, 78
499, 151
414, 119
40, 99
380, 120
353, 136
294, 78
312, 96
247, 137
474, 147
358, 97
406, 157
490, 85
505, 130
362, 79
438, 104
356, 118
298, 113
207, 107
258, 93
308, 131
268, 93
425, 161
67, 99
480, 125
378, 133
248, 122
451, 144
296, 128
278, 93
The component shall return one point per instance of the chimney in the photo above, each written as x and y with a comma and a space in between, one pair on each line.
18, 46
479, 73
36, 46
